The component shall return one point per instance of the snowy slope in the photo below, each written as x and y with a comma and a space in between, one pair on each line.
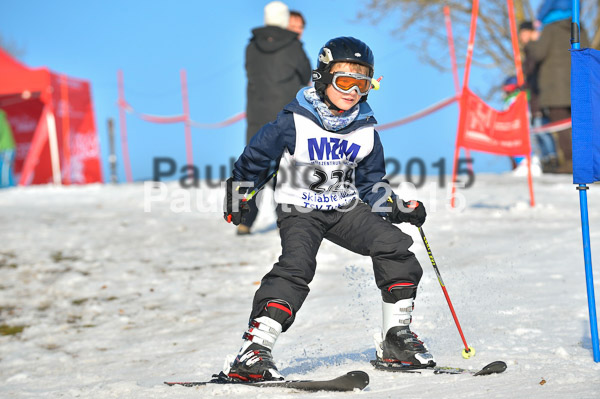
115, 300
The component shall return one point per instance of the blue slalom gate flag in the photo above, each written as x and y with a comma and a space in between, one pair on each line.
585, 115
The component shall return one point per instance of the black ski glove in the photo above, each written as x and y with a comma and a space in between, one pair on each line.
234, 209
412, 212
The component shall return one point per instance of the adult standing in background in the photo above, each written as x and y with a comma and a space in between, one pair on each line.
551, 55
276, 68
297, 23
542, 142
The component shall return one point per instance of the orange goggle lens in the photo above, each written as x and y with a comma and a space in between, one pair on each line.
348, 82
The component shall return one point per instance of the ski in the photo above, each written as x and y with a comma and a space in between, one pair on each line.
496, 367
347, 382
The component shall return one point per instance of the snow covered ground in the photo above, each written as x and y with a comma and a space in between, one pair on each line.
114, 300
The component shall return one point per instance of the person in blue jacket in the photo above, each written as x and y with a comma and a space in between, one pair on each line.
330, 185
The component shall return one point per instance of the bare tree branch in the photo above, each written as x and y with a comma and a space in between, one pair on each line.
424, 20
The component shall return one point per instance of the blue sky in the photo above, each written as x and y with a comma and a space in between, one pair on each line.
152, 41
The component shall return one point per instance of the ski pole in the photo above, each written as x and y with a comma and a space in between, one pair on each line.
469, 351
260, 186
251, 194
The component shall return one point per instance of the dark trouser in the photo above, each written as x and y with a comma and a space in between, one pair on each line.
359, 230
562, 138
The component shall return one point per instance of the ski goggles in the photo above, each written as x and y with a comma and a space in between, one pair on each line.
348, 81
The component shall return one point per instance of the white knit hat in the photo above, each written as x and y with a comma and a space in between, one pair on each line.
277, 14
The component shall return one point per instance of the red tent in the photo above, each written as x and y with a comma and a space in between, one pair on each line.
53, 124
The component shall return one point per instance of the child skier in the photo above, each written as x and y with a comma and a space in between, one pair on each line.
330, 185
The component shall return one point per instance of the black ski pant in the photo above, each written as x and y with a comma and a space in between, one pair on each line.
356, 228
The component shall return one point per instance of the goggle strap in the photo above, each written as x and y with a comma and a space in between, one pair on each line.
321, 76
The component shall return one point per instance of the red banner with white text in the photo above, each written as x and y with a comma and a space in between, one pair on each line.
76, 128
482, 128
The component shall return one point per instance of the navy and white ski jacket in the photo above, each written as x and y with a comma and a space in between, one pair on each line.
318, 168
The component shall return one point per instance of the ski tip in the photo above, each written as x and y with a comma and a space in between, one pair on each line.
361, 377
493, 368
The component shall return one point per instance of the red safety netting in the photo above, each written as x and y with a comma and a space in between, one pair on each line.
427, 111
181, 118
552, 127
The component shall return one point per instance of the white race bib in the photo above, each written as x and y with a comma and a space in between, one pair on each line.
320, 174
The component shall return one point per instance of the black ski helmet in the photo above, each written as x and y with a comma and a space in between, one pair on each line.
340, 49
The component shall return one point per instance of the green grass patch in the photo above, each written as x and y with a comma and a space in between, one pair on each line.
7, 260
58, 256
5, 329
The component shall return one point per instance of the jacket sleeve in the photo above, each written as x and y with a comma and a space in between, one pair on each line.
369, 172
266, 146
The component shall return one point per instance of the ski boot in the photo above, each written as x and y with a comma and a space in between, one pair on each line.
254, 362
398, 348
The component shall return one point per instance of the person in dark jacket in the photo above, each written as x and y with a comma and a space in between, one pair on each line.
543, 142
551, 55
276, 67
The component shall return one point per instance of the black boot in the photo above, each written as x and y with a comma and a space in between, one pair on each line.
400, 347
